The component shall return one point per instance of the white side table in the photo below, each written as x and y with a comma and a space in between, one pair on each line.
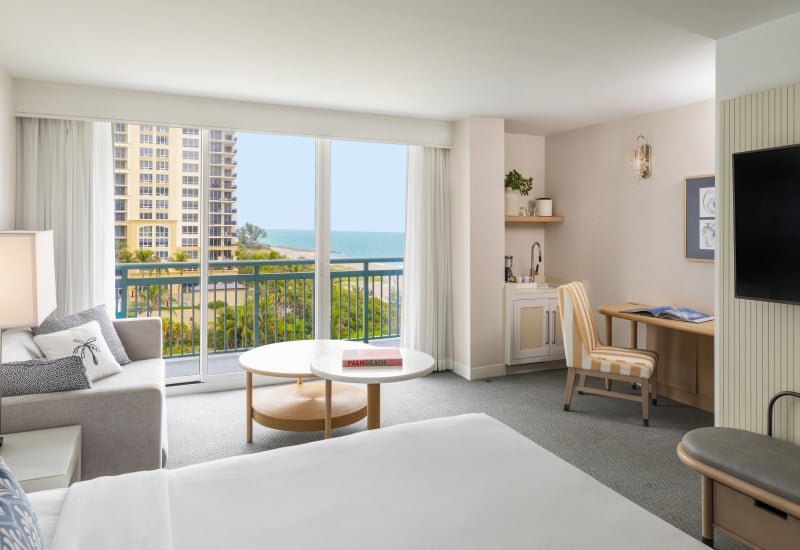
44, 459
301, 406
329, 367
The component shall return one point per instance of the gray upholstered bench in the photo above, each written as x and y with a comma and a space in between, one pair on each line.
750, 484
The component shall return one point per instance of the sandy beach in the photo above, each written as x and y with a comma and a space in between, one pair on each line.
294, 253
297, 254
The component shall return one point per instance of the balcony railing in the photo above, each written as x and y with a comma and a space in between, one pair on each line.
256, 302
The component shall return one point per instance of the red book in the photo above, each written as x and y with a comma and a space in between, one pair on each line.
372, 357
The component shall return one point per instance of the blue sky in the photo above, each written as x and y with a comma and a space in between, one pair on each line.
276, 183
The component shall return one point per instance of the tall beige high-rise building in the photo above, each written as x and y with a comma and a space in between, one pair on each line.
157, 176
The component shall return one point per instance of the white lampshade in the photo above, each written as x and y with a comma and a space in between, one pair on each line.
27, 278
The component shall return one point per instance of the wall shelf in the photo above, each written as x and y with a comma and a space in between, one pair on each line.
534, 219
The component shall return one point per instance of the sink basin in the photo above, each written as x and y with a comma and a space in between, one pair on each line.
530, 285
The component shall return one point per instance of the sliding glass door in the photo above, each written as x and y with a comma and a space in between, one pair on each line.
368, 185
223, 235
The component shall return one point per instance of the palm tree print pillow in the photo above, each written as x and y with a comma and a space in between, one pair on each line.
84, 341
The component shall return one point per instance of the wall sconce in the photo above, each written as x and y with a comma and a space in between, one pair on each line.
642, 163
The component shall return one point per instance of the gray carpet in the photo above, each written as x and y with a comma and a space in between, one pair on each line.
603, 437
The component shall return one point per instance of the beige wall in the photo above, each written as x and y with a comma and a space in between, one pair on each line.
626, 238
8, 140
459, 230
757, 345
477, 233
487, 164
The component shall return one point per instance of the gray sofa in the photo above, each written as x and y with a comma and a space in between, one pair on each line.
122, 417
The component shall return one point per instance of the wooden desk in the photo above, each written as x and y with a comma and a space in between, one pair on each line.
685, 354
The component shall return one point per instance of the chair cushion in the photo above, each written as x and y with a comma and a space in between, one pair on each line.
756, 458
630, 362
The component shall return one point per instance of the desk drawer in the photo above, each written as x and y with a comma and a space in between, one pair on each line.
756, 523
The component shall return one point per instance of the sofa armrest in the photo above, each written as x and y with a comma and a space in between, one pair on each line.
122, 418
141, 336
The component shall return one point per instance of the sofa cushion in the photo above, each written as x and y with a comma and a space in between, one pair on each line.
99, 314
19, 526
45, 375
85, 341
18, 345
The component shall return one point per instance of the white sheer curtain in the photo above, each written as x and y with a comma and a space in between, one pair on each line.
65, 183
427, 288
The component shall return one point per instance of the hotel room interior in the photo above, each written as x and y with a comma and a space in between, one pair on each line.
564, 92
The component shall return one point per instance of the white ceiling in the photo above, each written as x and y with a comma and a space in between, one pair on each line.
546, 66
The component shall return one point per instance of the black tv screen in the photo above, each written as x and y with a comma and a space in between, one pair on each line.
766, 220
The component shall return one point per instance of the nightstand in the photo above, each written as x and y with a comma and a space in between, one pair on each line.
44, 459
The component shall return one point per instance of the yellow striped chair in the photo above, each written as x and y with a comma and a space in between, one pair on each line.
587, 356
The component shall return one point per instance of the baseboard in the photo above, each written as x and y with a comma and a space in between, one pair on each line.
536, 367
478, 373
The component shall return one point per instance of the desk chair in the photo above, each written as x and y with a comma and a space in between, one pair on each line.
587, 356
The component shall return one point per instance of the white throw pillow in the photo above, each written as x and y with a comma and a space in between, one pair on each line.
85, 341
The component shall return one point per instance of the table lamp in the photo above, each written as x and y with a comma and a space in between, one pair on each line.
27, 284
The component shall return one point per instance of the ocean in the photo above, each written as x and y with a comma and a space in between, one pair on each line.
344, 244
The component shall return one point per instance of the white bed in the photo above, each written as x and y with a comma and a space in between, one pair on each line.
461, 482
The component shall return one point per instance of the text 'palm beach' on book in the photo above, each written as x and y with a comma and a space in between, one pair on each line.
673, 313
374, 357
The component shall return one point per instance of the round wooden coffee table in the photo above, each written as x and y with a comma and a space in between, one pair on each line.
299, 407
329, 367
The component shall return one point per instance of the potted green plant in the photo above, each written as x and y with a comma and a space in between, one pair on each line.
516, 187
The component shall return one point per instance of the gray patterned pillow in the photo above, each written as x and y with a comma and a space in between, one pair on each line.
45, 376
19, 526
97, 313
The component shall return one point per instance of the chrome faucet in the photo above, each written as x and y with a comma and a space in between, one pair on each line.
536, 271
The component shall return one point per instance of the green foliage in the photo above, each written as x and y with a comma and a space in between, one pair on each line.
179, 257
274, 310
148, 300
143, 255
347, 313
180, 338
515, 181
250, 235
261, 254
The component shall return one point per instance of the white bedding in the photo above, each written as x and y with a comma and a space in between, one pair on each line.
463, 482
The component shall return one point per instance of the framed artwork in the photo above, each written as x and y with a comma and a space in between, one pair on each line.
700, 234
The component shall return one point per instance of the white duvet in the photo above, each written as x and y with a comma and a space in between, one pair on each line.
466, 482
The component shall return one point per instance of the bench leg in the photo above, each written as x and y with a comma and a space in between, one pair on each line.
707, 511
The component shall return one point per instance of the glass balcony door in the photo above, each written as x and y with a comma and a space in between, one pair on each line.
238, 239
367, 229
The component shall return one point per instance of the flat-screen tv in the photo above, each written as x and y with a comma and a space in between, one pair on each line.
766, 220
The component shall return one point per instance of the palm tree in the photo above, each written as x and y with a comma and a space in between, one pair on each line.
144, 256
233, 328
152, 298
180, 257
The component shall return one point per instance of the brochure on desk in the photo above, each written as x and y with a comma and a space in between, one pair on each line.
673, 313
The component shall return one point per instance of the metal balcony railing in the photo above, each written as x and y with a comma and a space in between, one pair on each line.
256, 302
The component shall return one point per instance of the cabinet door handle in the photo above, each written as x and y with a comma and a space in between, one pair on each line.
547, 322
555, 320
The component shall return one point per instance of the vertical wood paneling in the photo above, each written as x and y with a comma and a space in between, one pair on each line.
758, 343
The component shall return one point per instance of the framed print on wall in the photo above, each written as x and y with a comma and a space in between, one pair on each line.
700, 234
